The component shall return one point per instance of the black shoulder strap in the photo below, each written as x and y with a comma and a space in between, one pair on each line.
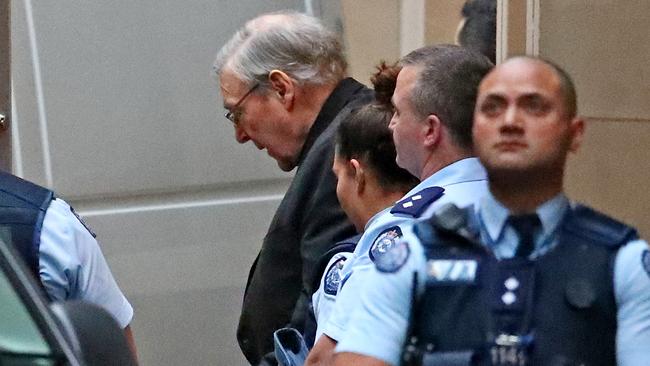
598, 228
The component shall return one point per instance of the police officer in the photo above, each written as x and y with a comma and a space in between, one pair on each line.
527, 278
59, 249
431, 127
368, 178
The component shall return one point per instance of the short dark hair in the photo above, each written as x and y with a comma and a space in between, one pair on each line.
447, 86
479, 32
567, 87
365, 135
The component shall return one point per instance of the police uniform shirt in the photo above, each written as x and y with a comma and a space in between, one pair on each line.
463, 181
379, 324
72, 266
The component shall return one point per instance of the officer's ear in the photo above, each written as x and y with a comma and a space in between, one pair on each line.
577, 130
432, 130
283, 87
359, 175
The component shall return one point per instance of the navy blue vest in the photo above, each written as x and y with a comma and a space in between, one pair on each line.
22, 210
556, 310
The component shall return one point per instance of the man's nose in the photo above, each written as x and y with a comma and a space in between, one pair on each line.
241, 135
511, 121
512, 117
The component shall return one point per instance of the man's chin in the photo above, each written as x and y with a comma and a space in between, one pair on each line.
285, 165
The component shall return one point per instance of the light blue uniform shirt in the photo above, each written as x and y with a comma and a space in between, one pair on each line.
378, 326
72, 266
464, 182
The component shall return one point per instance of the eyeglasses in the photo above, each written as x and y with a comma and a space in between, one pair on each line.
233, 114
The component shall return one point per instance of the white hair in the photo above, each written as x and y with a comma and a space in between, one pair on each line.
295, 43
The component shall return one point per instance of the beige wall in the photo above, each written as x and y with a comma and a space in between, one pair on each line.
604, 46
442, 18
372, 31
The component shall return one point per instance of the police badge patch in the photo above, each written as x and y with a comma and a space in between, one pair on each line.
333, 277
393, 258
384, 241
645, 261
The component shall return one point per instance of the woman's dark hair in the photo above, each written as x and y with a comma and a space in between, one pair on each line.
364, 134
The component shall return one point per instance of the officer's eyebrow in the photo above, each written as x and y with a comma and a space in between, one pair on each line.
533, 96
492, 97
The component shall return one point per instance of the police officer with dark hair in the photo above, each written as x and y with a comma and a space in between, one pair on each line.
368, 179
525, 278
368, 182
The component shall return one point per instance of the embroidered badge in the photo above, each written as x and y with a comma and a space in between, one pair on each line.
645, 261
384, 241
333, 277
394, 257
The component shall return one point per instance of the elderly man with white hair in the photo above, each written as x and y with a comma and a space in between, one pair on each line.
284, 87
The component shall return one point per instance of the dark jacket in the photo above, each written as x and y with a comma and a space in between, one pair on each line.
307, 224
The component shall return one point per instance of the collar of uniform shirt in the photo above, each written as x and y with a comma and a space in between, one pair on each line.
493, 216
463, 170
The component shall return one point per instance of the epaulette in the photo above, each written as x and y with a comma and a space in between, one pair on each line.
598, 228
415, 204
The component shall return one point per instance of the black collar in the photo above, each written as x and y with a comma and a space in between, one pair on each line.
340, 96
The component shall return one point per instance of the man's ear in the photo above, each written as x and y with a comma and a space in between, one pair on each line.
283, 86
577, 129
432, 130
359, 175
